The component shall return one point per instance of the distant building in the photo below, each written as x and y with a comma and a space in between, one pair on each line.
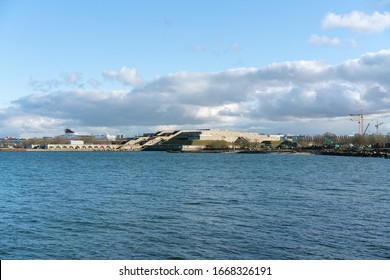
76, 142
9, 142
105, 137
70, 134
179, 139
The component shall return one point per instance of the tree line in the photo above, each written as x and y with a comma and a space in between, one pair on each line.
356, 140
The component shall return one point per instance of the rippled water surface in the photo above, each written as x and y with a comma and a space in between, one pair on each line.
154, 205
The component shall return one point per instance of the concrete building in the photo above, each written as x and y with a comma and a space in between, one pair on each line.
172, 139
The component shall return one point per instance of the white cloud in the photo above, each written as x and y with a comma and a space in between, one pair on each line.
324, 40
197, 47
358, 21
126, 75
22, 124
286, 95
94, 83
72, 78
65, 80
352, 42
235, 47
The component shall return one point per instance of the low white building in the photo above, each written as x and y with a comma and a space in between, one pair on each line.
105, 137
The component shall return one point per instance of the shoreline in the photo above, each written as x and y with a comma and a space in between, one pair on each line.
372, 153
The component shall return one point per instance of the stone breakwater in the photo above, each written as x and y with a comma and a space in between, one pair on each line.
373, 153
376, 153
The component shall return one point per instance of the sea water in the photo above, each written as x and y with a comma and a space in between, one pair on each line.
156, 205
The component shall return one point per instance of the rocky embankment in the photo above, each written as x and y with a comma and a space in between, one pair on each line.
377, 153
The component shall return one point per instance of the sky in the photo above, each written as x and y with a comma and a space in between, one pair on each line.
131, 67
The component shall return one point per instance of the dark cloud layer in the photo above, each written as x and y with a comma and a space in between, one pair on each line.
277, 92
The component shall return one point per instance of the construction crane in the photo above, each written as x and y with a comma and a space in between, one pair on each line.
364, 133
377, 126
360, 117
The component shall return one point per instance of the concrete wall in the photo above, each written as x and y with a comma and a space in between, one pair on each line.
191, 148
85, 147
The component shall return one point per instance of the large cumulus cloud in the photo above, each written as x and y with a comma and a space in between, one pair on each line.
280, 92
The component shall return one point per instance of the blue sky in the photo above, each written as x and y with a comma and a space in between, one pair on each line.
135, 66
